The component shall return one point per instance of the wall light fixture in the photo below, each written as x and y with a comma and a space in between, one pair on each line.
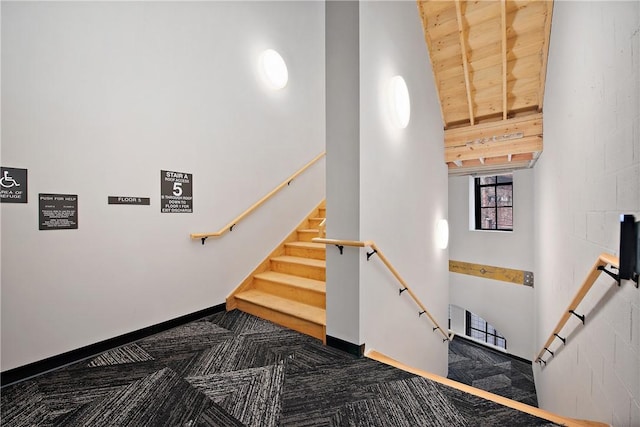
399, 102
273, 69
442, 234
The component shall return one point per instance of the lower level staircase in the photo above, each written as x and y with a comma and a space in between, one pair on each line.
288, 288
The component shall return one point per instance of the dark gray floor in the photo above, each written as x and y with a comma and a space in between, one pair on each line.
490, 370
233, 369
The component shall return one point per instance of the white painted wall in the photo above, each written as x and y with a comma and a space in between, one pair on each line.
403, 182
508, 307
588, 174
343, 167
458, 320
97, 98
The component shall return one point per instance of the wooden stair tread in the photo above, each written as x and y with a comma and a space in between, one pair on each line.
317, 263
286, 306
288, 279
308, 245
308, 230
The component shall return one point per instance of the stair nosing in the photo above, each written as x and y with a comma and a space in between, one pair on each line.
302, 283
279, 274
305, 308
311, 245
310, 262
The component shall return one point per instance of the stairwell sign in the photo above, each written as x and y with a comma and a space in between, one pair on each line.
13, 185
176, 192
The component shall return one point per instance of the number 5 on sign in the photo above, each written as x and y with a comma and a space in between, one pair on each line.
177, 189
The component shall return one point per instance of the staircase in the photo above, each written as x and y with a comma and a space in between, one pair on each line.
288, 288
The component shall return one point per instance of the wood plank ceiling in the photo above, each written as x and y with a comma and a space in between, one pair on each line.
489, 60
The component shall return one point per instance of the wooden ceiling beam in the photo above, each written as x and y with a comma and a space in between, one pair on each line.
528, 125
529, 144
519, 159
465, 63
487, 169
503, 16
545, 52
423, 16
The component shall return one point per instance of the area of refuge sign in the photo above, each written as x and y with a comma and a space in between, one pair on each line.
176, 192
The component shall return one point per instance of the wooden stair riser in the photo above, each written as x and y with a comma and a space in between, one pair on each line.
306, 296
310, 272
301, 325
307, 234
315, 222
313, 253
322, 212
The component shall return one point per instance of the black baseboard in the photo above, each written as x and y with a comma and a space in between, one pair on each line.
23, 372
486, 347
357, 350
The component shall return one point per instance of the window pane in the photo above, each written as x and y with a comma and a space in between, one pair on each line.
505, 195
487, 196
503, 179
488, 218
487, 180
478, 335
477, 328
505, 218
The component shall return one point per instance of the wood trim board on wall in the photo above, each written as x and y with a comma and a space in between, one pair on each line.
503, 274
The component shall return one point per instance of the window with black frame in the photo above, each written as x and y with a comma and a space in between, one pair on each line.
478, 328
494, 202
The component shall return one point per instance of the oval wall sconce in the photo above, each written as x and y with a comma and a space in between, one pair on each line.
442, 234
399, 102
273, 69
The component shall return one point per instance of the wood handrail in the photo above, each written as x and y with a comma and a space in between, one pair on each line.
338, 242
603, 260
391, 268
322, 228
501, 400
257, 204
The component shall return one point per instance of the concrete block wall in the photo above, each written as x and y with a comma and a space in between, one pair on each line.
589, 174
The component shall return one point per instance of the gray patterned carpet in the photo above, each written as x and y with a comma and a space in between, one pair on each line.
490, 370
233, 369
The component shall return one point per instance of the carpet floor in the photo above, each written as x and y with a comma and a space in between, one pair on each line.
233, 369
490, 370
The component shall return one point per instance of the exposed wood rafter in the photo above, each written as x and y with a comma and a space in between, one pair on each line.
545, 53
465, 62
427, 37
505, 95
